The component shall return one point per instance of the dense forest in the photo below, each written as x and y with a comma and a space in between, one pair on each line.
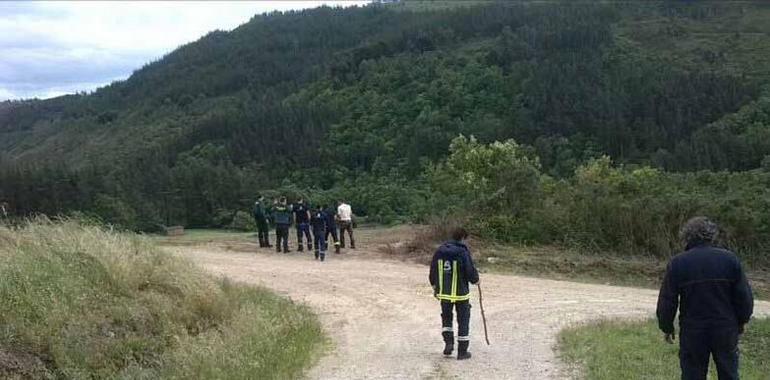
598, 125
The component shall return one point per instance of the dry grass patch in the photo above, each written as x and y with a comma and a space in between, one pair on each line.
83, 302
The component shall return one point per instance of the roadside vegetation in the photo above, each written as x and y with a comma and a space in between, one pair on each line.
82, 302
636, 350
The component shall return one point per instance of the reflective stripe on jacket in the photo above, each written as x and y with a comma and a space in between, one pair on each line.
450, 272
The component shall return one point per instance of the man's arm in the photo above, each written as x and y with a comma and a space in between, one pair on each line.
743, 300
668, 302
470, 270
433, 274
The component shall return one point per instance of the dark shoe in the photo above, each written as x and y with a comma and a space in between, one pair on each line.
278, 249
300, 249
463, 355
323, 257
448, 348
352, 247
285, 250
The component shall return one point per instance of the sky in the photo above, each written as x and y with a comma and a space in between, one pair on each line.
54, 48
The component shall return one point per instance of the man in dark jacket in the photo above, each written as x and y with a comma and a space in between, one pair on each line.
260, 218
318, 221
709, 287
282, 220
302, 222
450, 271
331, 227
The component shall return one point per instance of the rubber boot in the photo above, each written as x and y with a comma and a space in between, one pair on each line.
449, 342
462, 351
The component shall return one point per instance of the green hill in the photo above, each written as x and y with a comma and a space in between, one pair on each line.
360, 102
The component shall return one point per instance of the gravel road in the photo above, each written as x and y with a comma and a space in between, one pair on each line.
385, 324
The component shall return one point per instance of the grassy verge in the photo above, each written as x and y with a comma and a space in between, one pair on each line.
635, 350
561, 264
555, 262
199, 236
82, 302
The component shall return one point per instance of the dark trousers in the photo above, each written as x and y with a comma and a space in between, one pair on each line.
696, 345
332, 230
463, 309
319, 243
304, 228
282, 234
346, 226
262, 233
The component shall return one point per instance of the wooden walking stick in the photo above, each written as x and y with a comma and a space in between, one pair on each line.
483, 317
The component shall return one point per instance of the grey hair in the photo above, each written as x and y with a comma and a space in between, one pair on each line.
699, 229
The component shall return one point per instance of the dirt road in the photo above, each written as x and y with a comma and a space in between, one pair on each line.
385, 324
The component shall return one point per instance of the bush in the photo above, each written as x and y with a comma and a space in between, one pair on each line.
243, 221
629, 211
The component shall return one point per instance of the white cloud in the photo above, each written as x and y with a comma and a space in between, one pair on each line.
51, 48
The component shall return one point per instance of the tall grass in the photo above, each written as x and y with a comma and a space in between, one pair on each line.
83, 302
612, 350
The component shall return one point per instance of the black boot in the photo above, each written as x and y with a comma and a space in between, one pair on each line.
462, 351
449, 342
448, 348
336, 247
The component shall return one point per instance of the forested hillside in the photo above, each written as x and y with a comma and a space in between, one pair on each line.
363, 103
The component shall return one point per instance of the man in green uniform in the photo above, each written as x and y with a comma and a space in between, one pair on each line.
260, 217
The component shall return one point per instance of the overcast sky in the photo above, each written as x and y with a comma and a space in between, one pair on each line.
49, 49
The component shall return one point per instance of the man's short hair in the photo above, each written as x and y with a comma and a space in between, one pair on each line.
459, 233
699, 229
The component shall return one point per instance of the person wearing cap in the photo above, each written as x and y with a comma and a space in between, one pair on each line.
708, 286
451, 270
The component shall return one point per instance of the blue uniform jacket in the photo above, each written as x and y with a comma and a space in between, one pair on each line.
451, 270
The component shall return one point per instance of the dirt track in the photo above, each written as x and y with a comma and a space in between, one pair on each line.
385, 324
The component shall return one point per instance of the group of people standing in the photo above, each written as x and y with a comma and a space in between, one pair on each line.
321, 220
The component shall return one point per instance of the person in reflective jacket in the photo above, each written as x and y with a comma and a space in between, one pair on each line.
709, 287
450, 272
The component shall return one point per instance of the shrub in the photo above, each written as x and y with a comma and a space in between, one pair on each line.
243, 221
